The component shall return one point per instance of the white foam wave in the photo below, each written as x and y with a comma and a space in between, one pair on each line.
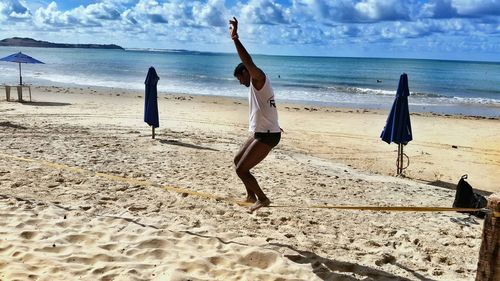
193, 86
477, 100
358, 90
90, 81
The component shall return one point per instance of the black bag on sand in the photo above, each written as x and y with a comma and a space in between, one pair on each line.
466, 198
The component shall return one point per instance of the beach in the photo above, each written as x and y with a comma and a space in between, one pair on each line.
87, 194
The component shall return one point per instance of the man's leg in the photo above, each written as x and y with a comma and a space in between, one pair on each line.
251, 198
253, 155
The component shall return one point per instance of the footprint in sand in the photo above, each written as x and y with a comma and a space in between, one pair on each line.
260, 259
109, 247
28, 234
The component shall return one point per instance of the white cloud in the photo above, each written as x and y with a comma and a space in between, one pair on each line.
93, 15
98, 11
51, 17
14, 10
351, 11
211, 14
382, 10
438, 9
154, 12
477, 7
460, 8
177, 13
264, 12
129, 18
295, 23
3, 11
325, 11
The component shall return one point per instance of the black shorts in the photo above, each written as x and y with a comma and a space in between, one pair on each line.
271, 139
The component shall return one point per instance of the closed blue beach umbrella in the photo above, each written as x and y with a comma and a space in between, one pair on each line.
151, 100
20, 58
398, 125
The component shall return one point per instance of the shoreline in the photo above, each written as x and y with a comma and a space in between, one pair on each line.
284, 102
439, 86
338, 134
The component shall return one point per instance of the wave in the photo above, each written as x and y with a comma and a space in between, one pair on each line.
428, 95
91, 81
364, 91
201, 84
303, 86
355, 90
487, 101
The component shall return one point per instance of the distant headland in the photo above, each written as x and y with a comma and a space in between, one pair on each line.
29, 42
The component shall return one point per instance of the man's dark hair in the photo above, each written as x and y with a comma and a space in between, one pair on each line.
238, 70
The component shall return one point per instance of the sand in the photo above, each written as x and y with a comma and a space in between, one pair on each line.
86, 194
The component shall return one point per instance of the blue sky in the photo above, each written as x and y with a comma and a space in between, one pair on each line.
436, 29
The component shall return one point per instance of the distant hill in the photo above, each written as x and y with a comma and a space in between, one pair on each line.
29, 42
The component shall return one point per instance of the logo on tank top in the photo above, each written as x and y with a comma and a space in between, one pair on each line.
271, 101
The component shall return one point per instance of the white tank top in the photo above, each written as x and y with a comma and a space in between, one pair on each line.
263, 114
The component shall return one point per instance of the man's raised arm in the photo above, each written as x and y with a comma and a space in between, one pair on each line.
258, 76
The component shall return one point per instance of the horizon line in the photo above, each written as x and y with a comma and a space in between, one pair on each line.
291, 55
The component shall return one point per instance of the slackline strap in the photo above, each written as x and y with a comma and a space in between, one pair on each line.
241, 203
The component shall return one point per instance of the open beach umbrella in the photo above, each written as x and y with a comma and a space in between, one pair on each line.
398, 126
151, 100
20, 58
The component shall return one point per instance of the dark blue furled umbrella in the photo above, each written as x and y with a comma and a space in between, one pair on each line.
20, 58
151, 100
398, 125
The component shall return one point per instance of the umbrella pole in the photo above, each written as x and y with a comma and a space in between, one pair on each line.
399, 161
153, 131
20, 77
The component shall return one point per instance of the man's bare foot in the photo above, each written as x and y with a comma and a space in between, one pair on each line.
250, 199
259, 204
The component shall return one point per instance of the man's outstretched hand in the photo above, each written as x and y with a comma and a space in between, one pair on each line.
233, 28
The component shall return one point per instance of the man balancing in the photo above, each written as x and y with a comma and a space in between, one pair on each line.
263, 122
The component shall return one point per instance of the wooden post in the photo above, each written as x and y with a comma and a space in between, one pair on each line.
401, 159
7, 92
399, 162
19, 93
20, 77
488, 267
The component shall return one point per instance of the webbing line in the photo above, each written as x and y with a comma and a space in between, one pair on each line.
388, 208
242, 203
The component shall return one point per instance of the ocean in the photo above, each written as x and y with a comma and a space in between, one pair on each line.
440, 86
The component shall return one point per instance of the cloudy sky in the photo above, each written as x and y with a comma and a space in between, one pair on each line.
437, 29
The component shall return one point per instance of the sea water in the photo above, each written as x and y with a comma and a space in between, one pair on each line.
453, 87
